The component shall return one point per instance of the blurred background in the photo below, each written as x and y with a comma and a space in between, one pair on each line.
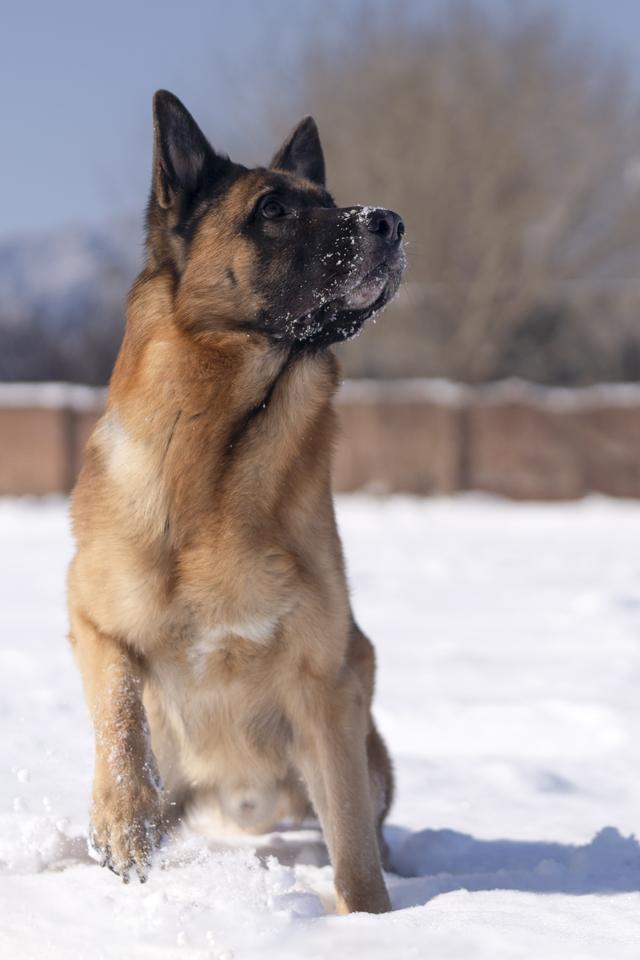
507, 134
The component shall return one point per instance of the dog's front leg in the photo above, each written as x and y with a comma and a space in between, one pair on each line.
330, 730
126, 814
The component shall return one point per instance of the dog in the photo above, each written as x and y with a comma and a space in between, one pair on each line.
208, 606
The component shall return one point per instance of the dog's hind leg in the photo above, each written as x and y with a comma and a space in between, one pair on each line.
381, 780
362, 662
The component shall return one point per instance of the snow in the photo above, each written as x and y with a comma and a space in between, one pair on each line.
508, 640
510, 390
410, 390
53, 396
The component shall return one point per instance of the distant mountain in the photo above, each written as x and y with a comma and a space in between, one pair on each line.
62, 300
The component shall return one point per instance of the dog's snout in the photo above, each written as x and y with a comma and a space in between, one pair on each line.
386, 224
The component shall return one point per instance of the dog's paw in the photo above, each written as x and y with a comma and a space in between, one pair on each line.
126, 830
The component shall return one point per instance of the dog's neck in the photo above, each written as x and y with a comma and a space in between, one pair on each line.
223, 418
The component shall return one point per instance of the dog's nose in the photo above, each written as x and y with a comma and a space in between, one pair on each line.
386, 224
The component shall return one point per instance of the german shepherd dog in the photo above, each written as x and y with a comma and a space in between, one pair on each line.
209, 612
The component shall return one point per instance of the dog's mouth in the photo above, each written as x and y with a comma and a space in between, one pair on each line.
343, 317
367, 291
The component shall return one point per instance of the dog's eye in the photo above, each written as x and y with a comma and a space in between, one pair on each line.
270, 208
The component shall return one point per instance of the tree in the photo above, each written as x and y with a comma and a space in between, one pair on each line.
514, 156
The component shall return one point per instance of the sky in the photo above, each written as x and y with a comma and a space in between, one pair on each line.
77, 76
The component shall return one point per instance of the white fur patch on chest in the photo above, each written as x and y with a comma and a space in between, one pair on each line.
134, 466
258, 630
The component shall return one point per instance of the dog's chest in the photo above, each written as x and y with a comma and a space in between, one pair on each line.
209, 641
220, 699
227, 584
233, 604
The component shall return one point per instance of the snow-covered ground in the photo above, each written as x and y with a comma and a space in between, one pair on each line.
509, 692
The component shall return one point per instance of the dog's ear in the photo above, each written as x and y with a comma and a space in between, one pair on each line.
183, 159
301, 153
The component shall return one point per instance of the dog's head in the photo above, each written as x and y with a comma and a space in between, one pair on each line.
265, 249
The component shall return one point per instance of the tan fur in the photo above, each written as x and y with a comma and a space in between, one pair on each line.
208, 596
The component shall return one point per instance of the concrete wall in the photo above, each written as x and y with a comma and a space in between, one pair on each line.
415, 436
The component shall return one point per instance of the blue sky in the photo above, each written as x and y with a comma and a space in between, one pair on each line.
76, 79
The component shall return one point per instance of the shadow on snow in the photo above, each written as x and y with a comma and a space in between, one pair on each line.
423, 865
432, 862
